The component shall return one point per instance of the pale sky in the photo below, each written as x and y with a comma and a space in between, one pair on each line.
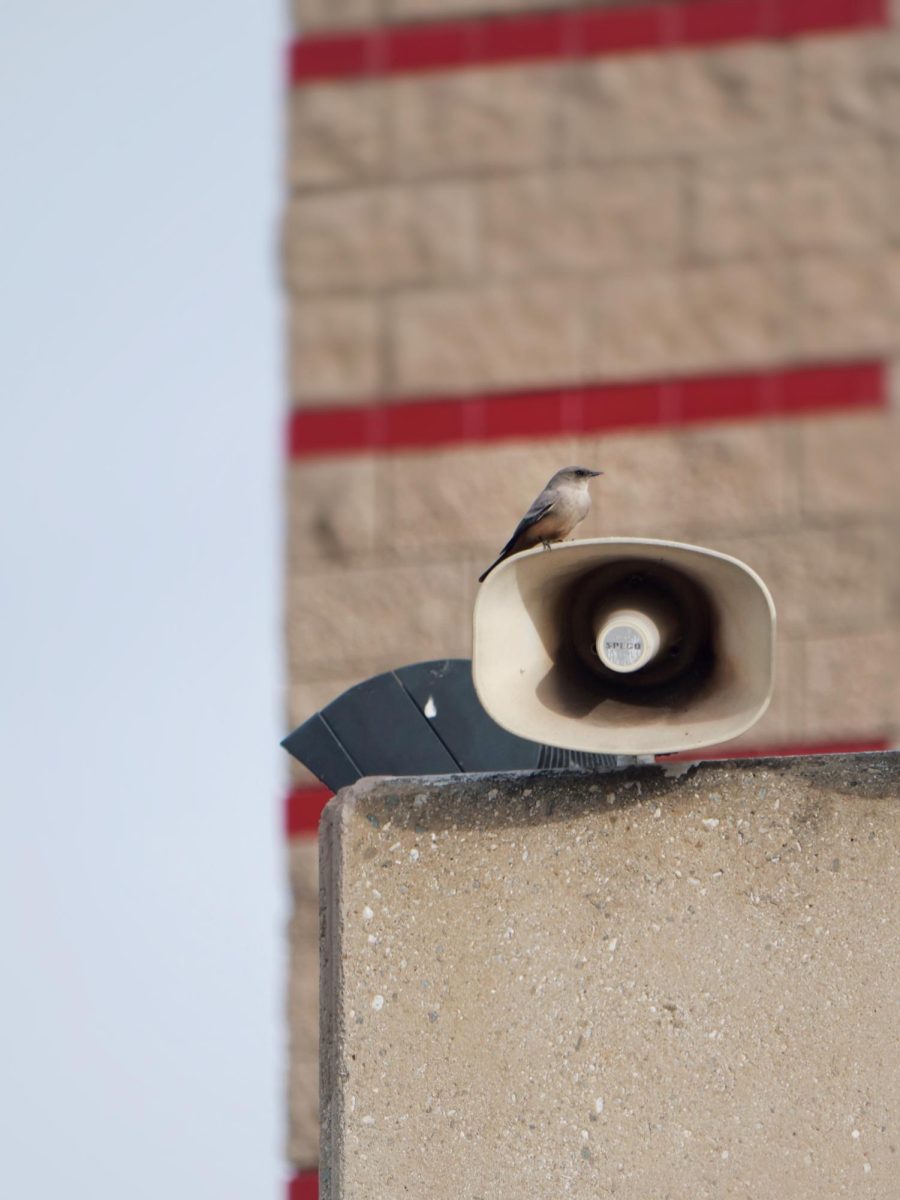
141, 877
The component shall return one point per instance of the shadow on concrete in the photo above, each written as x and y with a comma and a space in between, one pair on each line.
521, 799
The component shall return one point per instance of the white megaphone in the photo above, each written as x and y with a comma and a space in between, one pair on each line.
624, 646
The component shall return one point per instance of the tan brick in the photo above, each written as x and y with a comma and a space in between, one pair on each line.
831, 82
336, 134
334, 354
381, 237
498, 118
500, 336
843, 305
313, 15
696, 482
891, 266
430, 497
736, 96
583, 219
661, 104
821, 579
883, 64
303, 1003
892, 199
802, 198
331, 511
834, 197
618, 108
369, 619
849, 465
892, 568
721, 316
737, 207
852, 686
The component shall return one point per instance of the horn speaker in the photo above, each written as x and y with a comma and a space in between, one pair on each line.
624, 646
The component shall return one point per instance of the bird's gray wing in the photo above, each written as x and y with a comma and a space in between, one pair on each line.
539, 509
541, 506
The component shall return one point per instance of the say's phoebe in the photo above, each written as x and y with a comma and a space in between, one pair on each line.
553, 515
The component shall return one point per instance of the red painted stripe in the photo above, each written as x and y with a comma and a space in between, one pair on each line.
708, 22
303, 807
814, 16
431, 46
304, 1186
593, 408
785, 750
524, 37
567, 33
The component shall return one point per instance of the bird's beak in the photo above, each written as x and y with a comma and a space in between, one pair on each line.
596, 472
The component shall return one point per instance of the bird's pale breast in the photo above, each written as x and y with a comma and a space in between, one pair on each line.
572, 506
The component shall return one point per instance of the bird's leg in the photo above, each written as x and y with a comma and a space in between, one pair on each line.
545, 543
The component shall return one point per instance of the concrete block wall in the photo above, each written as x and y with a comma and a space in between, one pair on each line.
633, 985
615, 249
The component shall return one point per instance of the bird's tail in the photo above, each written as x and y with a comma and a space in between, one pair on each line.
483, 576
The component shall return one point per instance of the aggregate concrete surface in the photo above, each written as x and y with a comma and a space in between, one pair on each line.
664, 983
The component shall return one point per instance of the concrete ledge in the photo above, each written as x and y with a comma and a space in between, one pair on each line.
637, 985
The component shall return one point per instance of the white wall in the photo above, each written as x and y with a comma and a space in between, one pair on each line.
140, 779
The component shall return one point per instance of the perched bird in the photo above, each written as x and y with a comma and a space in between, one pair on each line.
553, 515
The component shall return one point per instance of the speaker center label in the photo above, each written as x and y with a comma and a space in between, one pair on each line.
623, 646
